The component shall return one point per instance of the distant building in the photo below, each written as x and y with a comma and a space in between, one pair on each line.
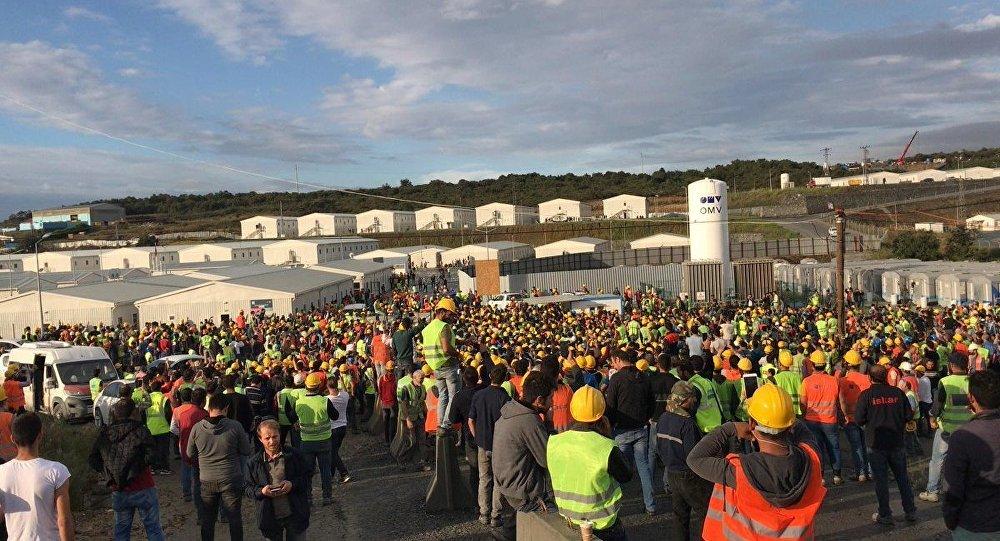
500, 250
142, 257
445, 218
497, 214
386, 221
983, 222
67, 261
660, 240
321, 224
626, 206
315, 251
578, 245
269, 227
936, 227
973, 173
94, 214
245, 251
563, 210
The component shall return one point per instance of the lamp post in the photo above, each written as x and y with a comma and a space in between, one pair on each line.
38, 286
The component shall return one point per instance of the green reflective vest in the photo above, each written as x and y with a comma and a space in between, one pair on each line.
955, 411
431, 336
285, 396
709, 414
141, 398
821, 328
156, 416
314, 423
583, 488
791, 382
726, 391
95, 388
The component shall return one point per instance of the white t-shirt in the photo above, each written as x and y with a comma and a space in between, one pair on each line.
340, 403
28, 495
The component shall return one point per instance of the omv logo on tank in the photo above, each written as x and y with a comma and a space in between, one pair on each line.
715, 200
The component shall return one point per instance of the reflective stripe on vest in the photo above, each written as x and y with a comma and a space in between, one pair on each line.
822, 395
955, 410
431, 336
742, 513
709, 414
582, 486
156, 420
314, 423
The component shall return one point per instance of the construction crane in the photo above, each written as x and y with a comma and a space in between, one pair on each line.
902, 157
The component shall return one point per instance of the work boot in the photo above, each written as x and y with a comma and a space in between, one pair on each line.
928, 496
837, 479
884, 521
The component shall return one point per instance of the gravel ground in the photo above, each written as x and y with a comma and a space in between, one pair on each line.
383, 503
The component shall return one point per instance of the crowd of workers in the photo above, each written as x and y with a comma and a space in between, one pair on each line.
744, 406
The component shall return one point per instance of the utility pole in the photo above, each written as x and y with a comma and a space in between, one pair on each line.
297, 189
841, 248
864, 163
826, 161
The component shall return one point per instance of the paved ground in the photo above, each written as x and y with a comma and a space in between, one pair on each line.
382, 503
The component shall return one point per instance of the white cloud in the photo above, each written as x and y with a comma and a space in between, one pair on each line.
988, 22
240, 30
130, 72
79, 12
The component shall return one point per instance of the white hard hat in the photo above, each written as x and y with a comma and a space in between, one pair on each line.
905, 366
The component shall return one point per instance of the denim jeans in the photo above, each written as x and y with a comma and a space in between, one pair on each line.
651, 448
488, 495
448, 383
829, 440
191, 483
859, 451
336, 463
229, 495
146, 503
633, 445
882, 462
689, 501
939, 449
318, 452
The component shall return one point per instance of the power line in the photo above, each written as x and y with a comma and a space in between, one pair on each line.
222, 166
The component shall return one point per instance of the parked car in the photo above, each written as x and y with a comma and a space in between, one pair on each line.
7, 345
501, 301
110, 395
174, 362
57, 376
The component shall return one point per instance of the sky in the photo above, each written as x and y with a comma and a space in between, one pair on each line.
135, 97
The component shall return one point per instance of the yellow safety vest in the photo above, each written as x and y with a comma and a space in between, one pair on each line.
156, 419
955, 410
431, 336
582, 486
314, 423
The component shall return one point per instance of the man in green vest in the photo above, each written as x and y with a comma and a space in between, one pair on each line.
949, 412
158, 422
587, 468
708, 415
789, 380
311, 415
442, 356
286, 398
95, 384
725, 389
821, 326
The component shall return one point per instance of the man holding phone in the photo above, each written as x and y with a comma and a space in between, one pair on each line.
278, 480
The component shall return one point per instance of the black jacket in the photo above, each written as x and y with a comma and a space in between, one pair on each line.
884, 411
971, 474
297, 473
629, 400
121, 452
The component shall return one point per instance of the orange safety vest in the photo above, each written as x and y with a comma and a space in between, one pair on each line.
742, 513
7, 448
431, 420
15, 394
820, 394
851, 387
559, 414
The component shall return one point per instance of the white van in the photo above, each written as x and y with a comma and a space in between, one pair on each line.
57, 376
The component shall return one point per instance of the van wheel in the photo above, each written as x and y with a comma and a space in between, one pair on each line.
98, 417
60, 412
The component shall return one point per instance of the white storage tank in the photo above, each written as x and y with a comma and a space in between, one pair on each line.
708, 224
786, 181
984, 288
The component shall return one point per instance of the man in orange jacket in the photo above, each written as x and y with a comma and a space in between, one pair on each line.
13, 390
774, 493
821, 410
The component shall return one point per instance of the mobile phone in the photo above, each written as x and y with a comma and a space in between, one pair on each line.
750, 384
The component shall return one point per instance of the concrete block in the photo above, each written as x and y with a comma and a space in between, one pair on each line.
539, 526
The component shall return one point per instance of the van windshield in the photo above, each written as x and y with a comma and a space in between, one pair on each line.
80, 372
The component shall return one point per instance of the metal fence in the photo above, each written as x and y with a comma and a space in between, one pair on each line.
807, 247
666, 278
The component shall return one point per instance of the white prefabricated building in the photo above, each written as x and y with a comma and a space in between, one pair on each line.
326, 224
211, 252
501, 214
367, 274
141, 257
269, 227
386, 221
563, 210
577, 245
445, 218
626, 206
660, 240
315, 251
281, 293
500, 250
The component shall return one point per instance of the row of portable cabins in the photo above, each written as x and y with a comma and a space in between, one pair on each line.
923, 283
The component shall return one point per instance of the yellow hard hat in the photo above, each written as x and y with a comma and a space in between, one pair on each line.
768, 350
587, 404
785, 358
781, 344
717, 362
568, 363
818, 358
581, 361
389, 365
446, 303
642, 365
771, 407
343, 368
591, 362
884, 360
852, 358
324, 366
744, 365
314, 381
426, 369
